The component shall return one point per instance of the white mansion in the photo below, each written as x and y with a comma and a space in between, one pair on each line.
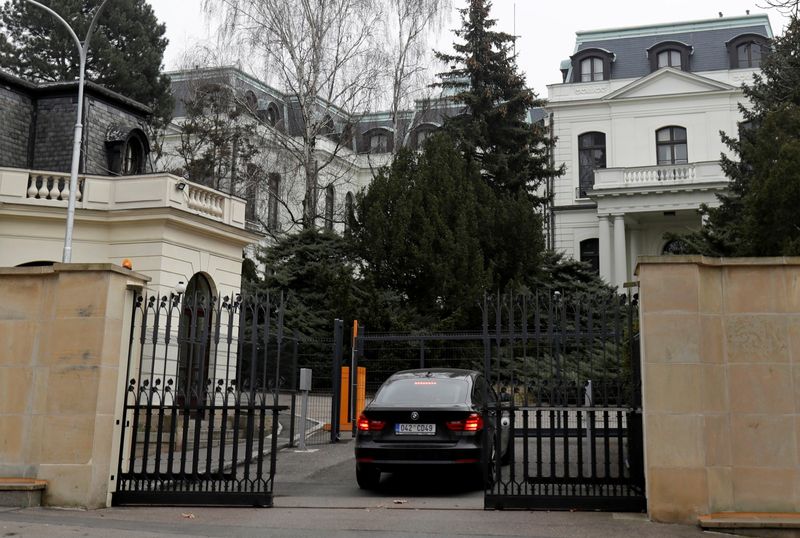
637, 120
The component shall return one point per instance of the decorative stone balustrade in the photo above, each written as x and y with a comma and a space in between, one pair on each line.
688, 175
22, 187
205, 201
656, 174
51, 186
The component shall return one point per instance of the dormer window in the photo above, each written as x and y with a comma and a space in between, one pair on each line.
591, 69
421, 133
747, 50
379, 143
669, 58
270, 115
672, 54
378, 140
591, 65
127, 150
749, 55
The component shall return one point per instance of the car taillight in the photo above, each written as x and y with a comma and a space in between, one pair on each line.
366, 425
473, 423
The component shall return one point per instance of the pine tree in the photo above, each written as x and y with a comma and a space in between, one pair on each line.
495, 132
758, 215
125, 53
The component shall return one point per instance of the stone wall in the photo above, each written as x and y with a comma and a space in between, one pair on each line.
16, 116
63, 349
721, 385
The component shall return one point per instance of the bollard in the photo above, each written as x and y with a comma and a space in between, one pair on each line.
305, 387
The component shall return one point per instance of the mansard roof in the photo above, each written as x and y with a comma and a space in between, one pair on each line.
707, 39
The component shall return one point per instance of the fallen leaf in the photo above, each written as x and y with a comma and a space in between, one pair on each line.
399, 501
188, 516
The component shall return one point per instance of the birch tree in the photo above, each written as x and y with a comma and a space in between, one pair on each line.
320, 54
408, 27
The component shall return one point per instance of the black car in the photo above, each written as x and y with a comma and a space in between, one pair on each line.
428, 417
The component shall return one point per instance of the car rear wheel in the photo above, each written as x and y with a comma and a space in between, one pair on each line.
485, 475
367, 476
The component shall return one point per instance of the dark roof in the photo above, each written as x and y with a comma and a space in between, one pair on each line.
71, 87
707, 39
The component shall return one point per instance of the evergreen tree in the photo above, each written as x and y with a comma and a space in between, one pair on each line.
317, 270
125, 53
758, 215
495, 132
420, 228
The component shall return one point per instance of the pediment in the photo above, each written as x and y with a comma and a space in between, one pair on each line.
668, 81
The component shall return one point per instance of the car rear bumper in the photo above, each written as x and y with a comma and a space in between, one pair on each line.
388, 456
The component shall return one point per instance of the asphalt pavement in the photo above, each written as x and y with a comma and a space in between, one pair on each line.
316, 496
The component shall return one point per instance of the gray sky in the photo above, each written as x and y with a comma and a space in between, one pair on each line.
546, 29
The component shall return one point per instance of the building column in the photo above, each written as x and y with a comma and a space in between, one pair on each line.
606, 250
620, 254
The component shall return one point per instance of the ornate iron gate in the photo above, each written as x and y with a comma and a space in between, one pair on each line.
568, 371
200, 419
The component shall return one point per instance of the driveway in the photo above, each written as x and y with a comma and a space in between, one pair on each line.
316, 496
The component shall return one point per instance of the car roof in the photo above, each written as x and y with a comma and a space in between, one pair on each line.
441, 373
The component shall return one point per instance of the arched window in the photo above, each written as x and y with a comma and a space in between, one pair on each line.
421, 135
329, 199
747, 50
591, 65
669, 54
591, 156
379, 142
590, 253
273, 208
271, 115
349, 214
671, 145
193, 338
127, 150
133, 157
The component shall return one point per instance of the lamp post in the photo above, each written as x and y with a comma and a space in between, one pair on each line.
83, 48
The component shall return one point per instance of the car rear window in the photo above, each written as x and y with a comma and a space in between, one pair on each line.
424, 390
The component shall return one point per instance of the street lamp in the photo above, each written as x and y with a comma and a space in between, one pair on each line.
83, 48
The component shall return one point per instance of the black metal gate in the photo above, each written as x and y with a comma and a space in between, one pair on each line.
568, 374
568, 371
201, 415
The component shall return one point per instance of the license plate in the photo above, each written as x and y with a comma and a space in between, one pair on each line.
415, 429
